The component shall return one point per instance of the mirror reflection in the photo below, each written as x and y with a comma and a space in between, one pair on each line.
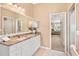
56, 24
12, 22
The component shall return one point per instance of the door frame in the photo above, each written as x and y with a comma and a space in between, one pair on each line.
64, 29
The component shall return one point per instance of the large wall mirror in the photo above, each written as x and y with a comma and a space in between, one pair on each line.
12, 22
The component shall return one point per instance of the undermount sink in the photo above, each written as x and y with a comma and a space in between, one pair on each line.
4, 39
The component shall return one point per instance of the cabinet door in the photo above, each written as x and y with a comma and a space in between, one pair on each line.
35, 44
4, 50
19, 49
15, 50
30, 46
26, 50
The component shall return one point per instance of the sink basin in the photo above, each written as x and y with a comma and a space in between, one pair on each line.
5, 38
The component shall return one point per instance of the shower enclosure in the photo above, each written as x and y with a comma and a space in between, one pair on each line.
71, 34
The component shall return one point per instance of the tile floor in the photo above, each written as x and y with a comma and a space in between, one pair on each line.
57, 43
48, 52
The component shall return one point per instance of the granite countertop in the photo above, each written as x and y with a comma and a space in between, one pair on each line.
18, 38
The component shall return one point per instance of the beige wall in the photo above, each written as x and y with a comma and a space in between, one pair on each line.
41, 13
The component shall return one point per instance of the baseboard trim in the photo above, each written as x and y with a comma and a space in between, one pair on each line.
44, 47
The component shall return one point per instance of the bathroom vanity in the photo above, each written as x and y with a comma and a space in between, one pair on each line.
20, 45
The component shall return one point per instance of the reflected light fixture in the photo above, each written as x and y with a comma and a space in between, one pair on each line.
23, 10
19, 8
15, 5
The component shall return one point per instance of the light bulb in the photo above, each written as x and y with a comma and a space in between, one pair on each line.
19, 8
23, 10
15, 5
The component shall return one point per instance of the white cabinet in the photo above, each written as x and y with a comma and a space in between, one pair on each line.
4, 50
31, 46
14, 53
36, 44
25, 48
26, 51
15, 50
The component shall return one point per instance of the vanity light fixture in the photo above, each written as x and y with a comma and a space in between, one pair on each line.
20, 8
16, 6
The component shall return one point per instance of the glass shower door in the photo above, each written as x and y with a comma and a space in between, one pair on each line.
72, 27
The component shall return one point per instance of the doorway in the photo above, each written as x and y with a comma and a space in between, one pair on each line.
58, 31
